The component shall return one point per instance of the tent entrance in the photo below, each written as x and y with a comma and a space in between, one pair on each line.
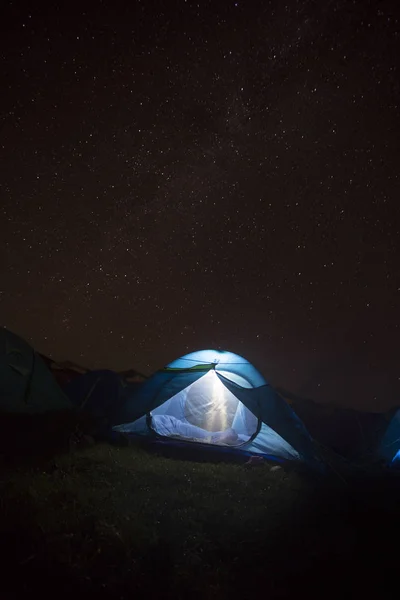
205, 412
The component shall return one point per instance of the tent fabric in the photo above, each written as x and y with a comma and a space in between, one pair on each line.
221, 361
26, 384
273, 410
227, 398
153, 392
272, 445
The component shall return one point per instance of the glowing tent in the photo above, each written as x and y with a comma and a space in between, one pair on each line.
216, 398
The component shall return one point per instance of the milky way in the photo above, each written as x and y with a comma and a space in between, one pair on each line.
179, 176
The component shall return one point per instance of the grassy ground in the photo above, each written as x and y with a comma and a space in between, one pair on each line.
117, 522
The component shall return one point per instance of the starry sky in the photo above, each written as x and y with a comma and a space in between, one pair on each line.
183, 175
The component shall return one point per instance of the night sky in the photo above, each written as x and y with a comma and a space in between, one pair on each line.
184, 175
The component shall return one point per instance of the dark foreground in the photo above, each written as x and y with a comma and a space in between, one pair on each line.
112, 522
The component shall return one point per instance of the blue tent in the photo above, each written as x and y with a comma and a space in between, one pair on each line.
218, 399
389, 448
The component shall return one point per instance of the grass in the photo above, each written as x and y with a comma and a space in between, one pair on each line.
118, 522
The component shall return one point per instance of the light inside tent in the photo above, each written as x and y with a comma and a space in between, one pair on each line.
209, 404
217, 418
204, 408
